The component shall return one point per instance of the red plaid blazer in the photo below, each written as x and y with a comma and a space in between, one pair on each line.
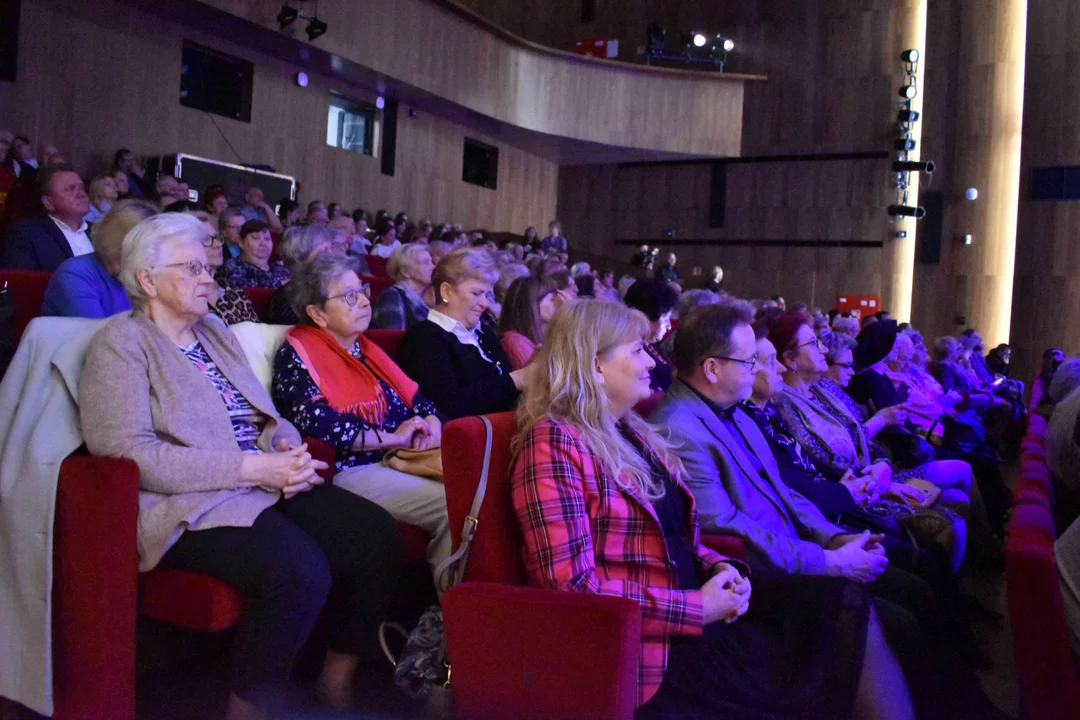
586, 533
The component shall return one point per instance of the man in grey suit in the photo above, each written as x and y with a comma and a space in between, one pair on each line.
729, 464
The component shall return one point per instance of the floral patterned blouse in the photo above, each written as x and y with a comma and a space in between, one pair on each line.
298, 399
247, 422
240, 274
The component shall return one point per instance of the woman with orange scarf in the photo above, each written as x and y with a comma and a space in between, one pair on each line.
339, 387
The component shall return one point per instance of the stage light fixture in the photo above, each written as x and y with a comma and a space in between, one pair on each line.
316, 28
380, 102
914, 166
907, 116
907, 211
287, 16
908, 92
699, 40
910, 56
728, 43
905, 144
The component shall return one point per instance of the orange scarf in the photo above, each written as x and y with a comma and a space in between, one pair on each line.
346, 384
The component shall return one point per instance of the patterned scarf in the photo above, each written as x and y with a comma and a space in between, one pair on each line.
826, 428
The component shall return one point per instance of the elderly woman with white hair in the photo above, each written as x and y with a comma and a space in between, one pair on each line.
226, 488
846, 325
402, 306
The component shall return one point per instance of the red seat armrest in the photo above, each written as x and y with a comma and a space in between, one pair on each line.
529, 653
732, 546
95, 588
322, 450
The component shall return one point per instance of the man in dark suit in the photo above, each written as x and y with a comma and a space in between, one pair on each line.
43, 242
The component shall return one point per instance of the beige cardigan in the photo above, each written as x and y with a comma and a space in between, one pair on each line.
141, 398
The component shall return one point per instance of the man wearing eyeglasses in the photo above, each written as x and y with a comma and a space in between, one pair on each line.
730, 467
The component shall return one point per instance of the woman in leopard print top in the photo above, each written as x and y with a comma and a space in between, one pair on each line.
232, 304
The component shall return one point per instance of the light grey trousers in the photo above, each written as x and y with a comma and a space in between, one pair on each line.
409, 499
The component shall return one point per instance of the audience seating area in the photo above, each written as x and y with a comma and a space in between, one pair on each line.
1046, 672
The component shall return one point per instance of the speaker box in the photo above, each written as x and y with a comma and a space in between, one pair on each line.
389, 136
928, 230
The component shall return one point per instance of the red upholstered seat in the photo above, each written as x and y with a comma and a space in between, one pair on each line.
387, 340
378, 283
1046, 673
191, 600
27, 288
260, 300
377, 265
1049, 688
646, 406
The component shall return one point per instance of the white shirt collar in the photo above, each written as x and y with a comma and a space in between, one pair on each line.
67, 228
77, 240
450, 325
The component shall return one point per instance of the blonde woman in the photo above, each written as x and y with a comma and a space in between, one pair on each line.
103, 193
456, 358
603, 509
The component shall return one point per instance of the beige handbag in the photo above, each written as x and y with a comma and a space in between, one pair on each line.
421, 463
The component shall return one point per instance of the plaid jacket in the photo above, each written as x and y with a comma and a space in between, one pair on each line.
585, 533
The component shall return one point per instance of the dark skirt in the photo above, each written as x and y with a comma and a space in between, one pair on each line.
797, 653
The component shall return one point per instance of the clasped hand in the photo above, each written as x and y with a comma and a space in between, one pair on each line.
726, 595
416, 434
290, 470
856, 557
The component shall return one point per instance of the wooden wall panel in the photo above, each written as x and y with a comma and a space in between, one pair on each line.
1046, 291
117, 85
765, 201
834, 70
434, 46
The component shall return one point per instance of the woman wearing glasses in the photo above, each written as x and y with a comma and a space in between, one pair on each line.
225, 486
230, 303
87, 285
337, 386
830, 428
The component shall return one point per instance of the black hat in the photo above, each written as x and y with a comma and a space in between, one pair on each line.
875, 343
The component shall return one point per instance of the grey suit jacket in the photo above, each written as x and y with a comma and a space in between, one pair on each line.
782, 529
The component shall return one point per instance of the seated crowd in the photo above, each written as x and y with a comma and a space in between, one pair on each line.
862, 477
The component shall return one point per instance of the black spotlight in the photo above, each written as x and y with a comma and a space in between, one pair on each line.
907, 211
910, 56
913, 166
316, 28
907, 116
908, 92
287, 16
905, 144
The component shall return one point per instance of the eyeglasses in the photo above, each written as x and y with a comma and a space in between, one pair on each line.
815, 342
353, 296
194, 268
749, 363
209, 240
846, 366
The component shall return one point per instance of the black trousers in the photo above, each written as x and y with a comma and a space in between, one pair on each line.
326, 548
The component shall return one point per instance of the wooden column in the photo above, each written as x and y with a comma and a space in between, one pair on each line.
899, 257
989, 107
